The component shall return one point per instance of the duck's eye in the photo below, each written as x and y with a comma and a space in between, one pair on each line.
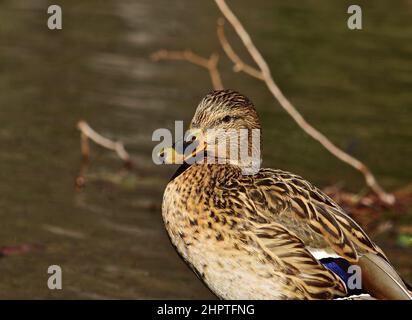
227, 119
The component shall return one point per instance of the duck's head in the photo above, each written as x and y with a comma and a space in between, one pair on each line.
225, 129
225, 110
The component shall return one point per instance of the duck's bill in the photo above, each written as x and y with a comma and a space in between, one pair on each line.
190, 149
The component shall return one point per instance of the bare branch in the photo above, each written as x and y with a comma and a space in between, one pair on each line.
286, 104
239, 65
187, 55
84, 146
88, 133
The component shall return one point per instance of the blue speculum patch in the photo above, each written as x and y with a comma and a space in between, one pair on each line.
340, 267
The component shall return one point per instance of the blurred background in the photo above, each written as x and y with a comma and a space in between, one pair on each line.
108, 238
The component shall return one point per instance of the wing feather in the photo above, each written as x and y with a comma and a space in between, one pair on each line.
301, 268
293, 221
302, 201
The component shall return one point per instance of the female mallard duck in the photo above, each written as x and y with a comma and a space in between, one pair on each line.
270, 235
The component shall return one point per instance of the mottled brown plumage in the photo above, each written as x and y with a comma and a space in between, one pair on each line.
258, 236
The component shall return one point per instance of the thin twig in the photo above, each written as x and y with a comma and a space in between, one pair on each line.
238, 64
88, 132
187, 55
287, 105
84, 146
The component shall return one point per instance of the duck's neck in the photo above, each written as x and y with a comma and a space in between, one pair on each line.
246, 155
248, 166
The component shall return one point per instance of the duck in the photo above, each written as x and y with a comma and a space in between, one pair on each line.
259, 233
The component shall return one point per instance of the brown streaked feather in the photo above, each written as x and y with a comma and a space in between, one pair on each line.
294, 260
286, 196
324, 217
